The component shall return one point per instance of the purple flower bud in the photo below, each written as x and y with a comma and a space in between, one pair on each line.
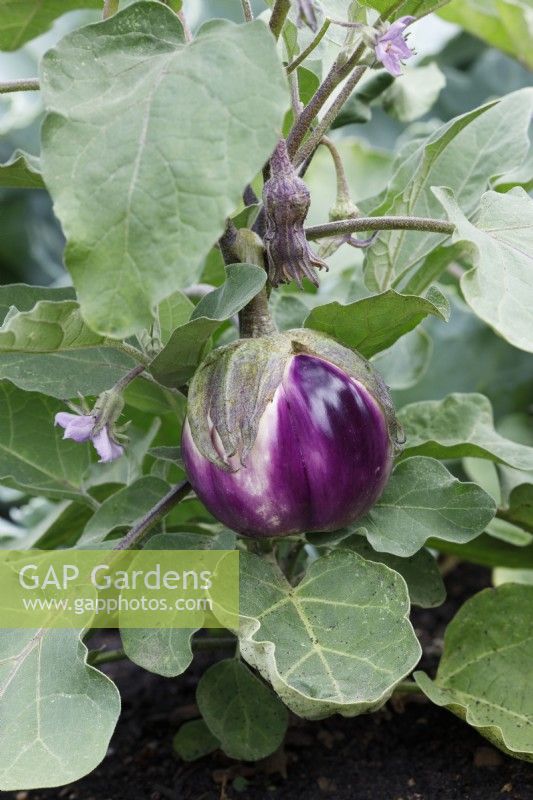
287, 434
391, 47
286, 199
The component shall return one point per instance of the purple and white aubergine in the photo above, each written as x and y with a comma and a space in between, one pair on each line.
288, 433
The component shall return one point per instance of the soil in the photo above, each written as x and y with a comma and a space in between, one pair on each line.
411, 750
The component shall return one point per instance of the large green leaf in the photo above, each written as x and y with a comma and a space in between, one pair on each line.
22, 297
485, 674
54, 468
520, 509
375, 323
488, 551
178, 360
240, 711
499, 288
420, 571
423, 499
338, 642
141, 217
404, 364
57, 712
71, 357
416, 8
458, 426
23, 20
463, 155
414, 93
21, 171
505, 24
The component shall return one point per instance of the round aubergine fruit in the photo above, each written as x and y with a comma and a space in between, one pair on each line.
287, 434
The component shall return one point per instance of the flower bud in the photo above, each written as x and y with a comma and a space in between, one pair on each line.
286, 199
288, 433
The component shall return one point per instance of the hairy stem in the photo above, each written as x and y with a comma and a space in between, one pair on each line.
310, 47
185, 25
255, 318
22, 85
278, 16
146, 523
247, 11
323, 126
343, 190
379, 224
134, 352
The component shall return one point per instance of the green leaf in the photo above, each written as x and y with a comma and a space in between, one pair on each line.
458, 426
178, 360
485, 674
21, 171
172, 312
22, 297
124, 508
23, 20
403, 364
520, 509
505, 24
464, 154
420, 571
415, 8
244, 715
507, 532
194, 740
414, 93
375, 323
168, 651
488, 551
141, 217
423, 499
55, 468
499, 288
338, 642
57, 712
47, 327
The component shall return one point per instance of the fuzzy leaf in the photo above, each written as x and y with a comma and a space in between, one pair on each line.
140, 218
485, 674
21, 171
23, 20
57, 712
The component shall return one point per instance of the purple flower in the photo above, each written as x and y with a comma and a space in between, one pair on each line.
391, 47
83, 428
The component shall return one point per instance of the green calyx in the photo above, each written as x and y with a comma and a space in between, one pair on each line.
234, 384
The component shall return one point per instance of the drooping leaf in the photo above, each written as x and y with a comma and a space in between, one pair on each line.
485, 674
244, 715
463, 155
338, 642
23, 20
57, 712
194, 740
420, 571
499, 287
423, 499
178, 360
505, 24
140, 218
55, 468
21, 171
458, 426
375, 323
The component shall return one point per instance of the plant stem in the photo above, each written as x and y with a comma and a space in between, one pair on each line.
278, 16
132, 351
323, 126
121, 384
379, 224
343, 189
22, 85
97, 657
185, 25
310, 47
407, 687
255, 318
247, 11
110, 8
141, 528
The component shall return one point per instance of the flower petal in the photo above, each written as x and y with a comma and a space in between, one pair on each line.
106, 447
77, 427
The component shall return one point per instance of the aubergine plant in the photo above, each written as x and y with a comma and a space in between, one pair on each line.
280, 339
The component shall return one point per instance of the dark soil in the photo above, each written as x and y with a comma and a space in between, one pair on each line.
409, 751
